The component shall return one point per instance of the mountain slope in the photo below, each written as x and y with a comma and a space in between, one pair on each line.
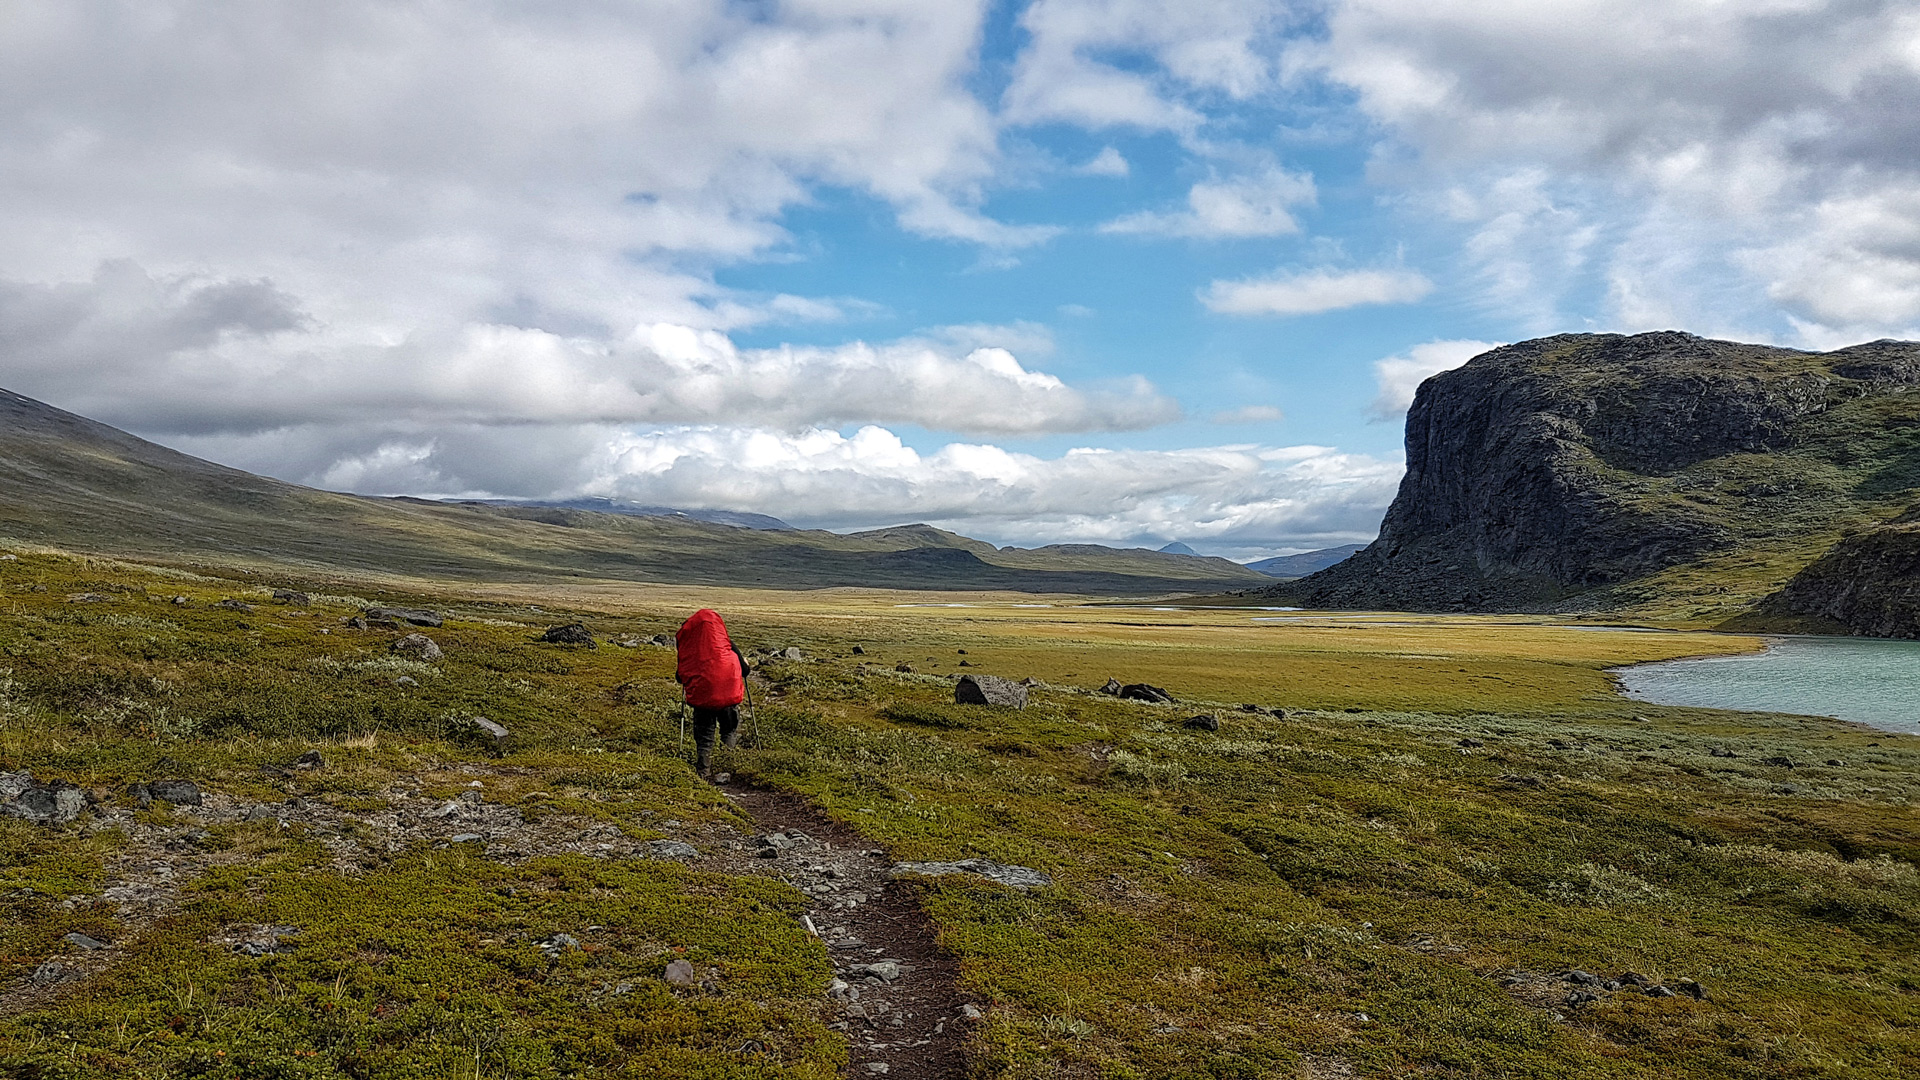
72, 482
1661, 474
1306, 562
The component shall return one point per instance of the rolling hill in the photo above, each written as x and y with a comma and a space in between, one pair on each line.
72, 482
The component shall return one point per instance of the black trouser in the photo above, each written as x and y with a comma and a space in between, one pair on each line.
705, 721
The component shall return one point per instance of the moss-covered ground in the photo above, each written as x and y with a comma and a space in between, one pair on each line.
1383, 882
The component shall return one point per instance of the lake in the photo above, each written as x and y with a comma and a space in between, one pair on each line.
1868, 680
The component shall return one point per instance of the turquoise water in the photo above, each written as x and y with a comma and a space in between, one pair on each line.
1863, 679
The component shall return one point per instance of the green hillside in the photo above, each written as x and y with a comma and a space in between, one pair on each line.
75, 483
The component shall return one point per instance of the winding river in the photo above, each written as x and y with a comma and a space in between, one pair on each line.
1868, 680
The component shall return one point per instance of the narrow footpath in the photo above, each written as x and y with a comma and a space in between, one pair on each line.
895, 991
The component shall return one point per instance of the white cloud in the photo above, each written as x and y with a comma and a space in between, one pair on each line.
1249, 414
1255, 205
1400, 376
1713, 163
1313, 291
223, 355
1107, 162
1249, 496
1198, 48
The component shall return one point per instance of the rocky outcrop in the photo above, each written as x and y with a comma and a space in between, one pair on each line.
1542, 474
1868, 584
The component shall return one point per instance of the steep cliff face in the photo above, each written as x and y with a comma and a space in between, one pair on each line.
1869, 584
1568, 472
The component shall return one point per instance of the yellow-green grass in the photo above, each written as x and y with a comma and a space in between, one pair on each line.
1225, 904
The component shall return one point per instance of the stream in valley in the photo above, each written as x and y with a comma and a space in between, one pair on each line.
1868, 680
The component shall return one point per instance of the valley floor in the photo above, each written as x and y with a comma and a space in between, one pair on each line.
1413, 846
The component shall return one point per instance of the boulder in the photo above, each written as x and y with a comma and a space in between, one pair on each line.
177, 792
416, 616
791, 653
12, 784
291, 596
354, 622
858, 651
310, 760
1144, 692
903, 668
989, 690
54, 803
418, 646
1112, 687
1203, 722
570, 634
681, 973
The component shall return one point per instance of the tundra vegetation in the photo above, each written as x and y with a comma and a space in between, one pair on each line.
1407, 873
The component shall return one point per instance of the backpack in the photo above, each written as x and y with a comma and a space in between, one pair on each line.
709, 668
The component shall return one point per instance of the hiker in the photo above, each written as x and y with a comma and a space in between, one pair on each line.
714, 677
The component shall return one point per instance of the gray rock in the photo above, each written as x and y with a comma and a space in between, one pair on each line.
989, 690
1659, 992
1144, 692
858, 651
177, 792
970, 1011
83, 942
1721, 751
310, 760
884, 970
416, 616
52, 973
465, 838
671, 849
570, 634
444, 810
419, 646
291, 596
1579, 978
791, 653
494, 734
406, 682
263, 813
1014, 877
12, 784
559, 943
354, 622
681, 973
1203, 722
903, 668
235, 605
1112, 687
55, 803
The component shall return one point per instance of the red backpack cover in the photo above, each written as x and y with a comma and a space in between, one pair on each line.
709, 669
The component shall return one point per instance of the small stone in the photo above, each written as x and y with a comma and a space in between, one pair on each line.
310, 760
180, 601
1836, 763
1582, 997
1112, 687
876, 1068
1629, 978
471, 795
1470, 744
858, 651
970, 1011
406, 682
1721, 751
177, 792
418, 646
262, 813
235, 605
570, 634
903, 668
680, 973
1202, 722
291, 596
558, 943
671, 849
82, 941
1659, 992
354, 622
1780, 761
444, 810
1692, 989
52, 973
464, 838
791, 653
1579, 978
885, 970
494, 734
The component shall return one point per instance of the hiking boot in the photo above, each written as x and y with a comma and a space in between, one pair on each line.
733, 739
700, 763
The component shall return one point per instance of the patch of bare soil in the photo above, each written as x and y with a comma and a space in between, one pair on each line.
896, 992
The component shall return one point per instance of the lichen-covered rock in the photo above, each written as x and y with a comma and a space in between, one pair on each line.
1014, 877
570, 634
1867, 584
54, 803
1549, 474
416, 616
989, 690
418, 647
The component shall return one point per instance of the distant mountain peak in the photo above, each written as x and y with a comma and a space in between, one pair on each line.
1177, 548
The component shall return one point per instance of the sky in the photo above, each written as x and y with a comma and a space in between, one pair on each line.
1098, 271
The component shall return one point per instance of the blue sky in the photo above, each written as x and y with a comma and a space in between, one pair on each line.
1115, 271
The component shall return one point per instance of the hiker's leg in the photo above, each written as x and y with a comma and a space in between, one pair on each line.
730, 726
704, 722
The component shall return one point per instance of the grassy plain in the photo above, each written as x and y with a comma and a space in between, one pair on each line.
1384, 881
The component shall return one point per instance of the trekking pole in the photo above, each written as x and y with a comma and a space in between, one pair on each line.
680, 744
753, 717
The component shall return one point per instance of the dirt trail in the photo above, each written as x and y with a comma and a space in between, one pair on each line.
896, 994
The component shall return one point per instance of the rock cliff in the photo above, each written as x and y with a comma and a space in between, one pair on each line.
1588, 471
